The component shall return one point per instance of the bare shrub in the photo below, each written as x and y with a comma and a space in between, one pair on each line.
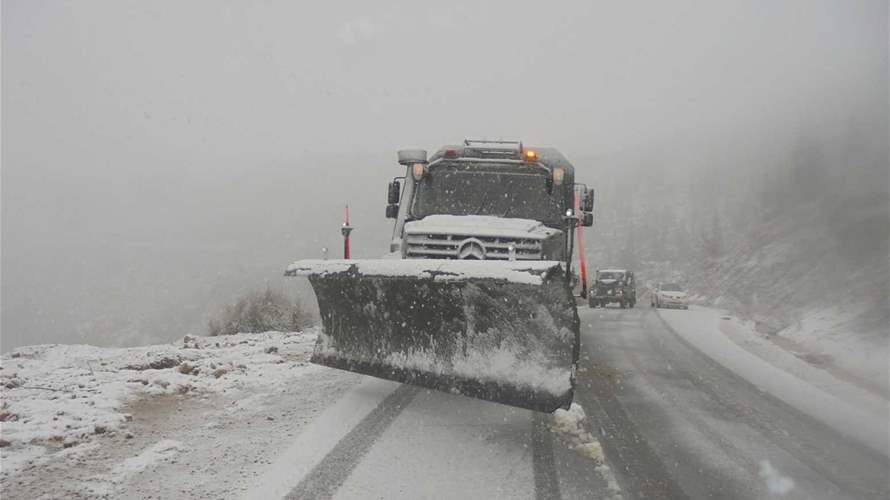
261, 311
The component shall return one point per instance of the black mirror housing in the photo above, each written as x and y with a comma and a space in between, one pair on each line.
392, 211
393, 192
588, 201
587, 219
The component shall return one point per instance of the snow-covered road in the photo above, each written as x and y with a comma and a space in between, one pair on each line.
687, 412
678, 404
257, 421
385, 440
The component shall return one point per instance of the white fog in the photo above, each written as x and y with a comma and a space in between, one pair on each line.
161, 160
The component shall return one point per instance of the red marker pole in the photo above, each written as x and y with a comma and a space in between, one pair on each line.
582, 257
345, 230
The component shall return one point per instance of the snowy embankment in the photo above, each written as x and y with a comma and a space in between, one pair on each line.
60, 398
848, 408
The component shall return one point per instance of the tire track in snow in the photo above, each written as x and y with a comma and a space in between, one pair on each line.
546, 480
640, 472
326, 477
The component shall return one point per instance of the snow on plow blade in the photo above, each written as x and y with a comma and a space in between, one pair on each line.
506, 332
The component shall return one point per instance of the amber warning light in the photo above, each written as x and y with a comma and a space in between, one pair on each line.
531, 155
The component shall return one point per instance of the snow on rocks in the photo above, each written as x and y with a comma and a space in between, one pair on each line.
162, 450
59, 396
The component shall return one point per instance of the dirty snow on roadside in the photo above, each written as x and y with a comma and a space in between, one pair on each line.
61, 403
569, 424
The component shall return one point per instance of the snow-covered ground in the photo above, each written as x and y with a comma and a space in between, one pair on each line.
84, 421
246, 416
839, 402
826, 336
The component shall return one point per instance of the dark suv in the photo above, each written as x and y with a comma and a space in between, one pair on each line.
613, 285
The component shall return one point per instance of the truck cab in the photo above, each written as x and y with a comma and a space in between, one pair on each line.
484, 235
486, 200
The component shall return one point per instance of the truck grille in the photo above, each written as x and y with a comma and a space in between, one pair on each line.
447, 246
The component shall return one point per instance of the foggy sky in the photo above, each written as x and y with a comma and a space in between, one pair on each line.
160, 158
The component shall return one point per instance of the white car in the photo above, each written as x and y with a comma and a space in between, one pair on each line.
669, 295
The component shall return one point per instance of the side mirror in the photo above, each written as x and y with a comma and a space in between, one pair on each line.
392, 211
392, 193
587, 220
588, 201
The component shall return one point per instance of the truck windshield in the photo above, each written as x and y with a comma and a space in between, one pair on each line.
670, 287
497, 191
608, 275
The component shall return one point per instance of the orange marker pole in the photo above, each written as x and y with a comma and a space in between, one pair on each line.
582, 257
345, 230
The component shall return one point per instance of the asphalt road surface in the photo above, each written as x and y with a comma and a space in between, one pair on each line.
675, 424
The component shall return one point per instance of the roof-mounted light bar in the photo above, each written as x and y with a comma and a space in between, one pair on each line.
484, 148
494, 143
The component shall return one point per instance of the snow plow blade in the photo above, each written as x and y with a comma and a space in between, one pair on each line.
502, 331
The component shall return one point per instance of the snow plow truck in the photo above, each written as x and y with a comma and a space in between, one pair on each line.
474, 298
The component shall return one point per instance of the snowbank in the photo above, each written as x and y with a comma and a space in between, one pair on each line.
701, 327
59, 396
826, 332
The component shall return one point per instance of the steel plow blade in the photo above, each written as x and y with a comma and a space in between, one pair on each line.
502, 331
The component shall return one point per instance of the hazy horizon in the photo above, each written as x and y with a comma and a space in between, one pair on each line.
160, 159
